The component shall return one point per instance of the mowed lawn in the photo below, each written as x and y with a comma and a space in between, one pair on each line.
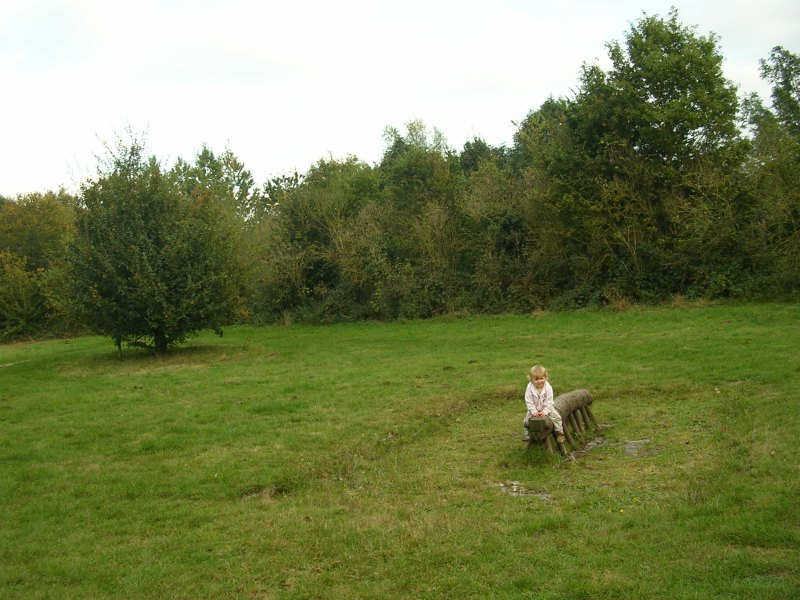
376, 460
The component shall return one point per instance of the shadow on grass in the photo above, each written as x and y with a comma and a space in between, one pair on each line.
523, 457
194, 356
173, 353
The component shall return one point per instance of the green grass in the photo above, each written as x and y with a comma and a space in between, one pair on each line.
366, 461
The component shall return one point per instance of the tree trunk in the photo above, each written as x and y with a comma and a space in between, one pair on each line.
160, 342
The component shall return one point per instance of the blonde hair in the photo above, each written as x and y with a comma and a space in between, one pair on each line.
537, 370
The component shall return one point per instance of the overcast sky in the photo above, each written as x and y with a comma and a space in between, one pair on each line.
286, 83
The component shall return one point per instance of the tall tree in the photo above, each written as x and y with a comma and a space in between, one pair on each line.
416, 170
477, 151
782, 70
422, 188
225, 177
312, 249
611, 171
668, 97
152, 262
773, 171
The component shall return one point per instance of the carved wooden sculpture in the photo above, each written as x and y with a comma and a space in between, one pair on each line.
576, 414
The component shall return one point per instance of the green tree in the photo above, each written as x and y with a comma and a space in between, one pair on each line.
23, 305
35, 230
782, 70
476, 151
668, 98
225, 177
612, 170
422, 190
499, 237
273, 195
152, 262
416, 170
311, 256
773, 173
37, 227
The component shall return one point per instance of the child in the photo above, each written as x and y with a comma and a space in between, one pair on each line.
539, 400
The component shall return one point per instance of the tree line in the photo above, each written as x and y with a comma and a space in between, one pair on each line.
653, 180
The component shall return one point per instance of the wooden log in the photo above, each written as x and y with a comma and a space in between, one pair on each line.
575, 415
569, 437
541, 433
585, 415
574, 422
579, 419
591, 416
568, 404
539, 428
571, 400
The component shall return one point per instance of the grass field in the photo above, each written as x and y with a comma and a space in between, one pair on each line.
375, 461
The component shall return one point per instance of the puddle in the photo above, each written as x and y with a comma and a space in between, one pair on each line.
515, 488
591, 444
636, 447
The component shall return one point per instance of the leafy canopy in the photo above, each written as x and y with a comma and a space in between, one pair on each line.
154, 259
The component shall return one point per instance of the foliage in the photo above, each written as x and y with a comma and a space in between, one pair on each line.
225, 178
773, 171
637, 189
305, 254
476, 152
609, 173
37, 227
782, 70
154, 259
640, 187
34, 232
351, 241
665, 95
23, 306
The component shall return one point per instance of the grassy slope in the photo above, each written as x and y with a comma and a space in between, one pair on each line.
365, 461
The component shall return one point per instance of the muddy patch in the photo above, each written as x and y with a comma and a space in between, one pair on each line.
515, 488
636, 448
264, 493
589, 446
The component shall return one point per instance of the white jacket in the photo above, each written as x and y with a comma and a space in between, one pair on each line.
539, 401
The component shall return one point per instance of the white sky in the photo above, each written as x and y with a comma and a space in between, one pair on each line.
286, 83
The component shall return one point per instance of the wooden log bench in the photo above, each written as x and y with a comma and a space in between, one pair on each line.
576, 417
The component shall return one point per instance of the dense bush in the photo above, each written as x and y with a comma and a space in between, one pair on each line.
34, 232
